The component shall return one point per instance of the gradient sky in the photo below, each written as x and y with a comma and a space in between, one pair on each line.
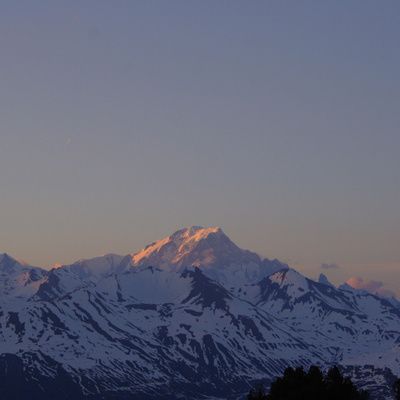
122, 121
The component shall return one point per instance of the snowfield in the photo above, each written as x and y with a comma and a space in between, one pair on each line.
191, 315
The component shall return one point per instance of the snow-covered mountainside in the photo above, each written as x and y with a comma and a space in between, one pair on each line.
212, 251
189, 316
18, 281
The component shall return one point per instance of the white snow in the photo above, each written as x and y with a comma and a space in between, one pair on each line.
83, 315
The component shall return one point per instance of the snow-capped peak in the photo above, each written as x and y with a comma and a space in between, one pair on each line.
210, 250
94, 269
296, 283
18, 278
197, 233
99, 265
9, 263
194, 246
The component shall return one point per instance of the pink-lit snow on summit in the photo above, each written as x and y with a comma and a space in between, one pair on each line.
194, 246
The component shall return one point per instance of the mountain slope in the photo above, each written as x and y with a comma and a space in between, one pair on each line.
206, 339
212, 251
190, 316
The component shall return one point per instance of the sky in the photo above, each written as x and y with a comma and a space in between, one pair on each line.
279, 121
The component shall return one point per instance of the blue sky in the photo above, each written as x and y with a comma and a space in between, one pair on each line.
279, 121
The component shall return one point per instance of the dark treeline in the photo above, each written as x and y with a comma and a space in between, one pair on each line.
396, 389
297, 384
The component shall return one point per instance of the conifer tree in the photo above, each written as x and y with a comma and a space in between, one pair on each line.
296, 384
257, 394
396, 389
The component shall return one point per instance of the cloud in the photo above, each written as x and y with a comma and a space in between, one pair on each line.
375, 287
329, 266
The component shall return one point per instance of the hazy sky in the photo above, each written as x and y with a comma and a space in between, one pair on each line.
121, 121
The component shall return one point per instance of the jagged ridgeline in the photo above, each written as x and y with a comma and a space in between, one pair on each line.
190, 316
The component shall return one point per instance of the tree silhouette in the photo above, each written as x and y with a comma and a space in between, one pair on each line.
296, 384
396, 389
257, 394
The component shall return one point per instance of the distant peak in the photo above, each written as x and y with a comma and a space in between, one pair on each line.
324, 280
345, 286
97, 266
5, 256
7, 261
194, 246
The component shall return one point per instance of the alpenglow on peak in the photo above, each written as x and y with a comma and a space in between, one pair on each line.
194, 246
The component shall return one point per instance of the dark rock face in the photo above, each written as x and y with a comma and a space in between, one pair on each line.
17, 382
206, 292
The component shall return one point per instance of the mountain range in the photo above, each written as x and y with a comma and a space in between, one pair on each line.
189, 316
